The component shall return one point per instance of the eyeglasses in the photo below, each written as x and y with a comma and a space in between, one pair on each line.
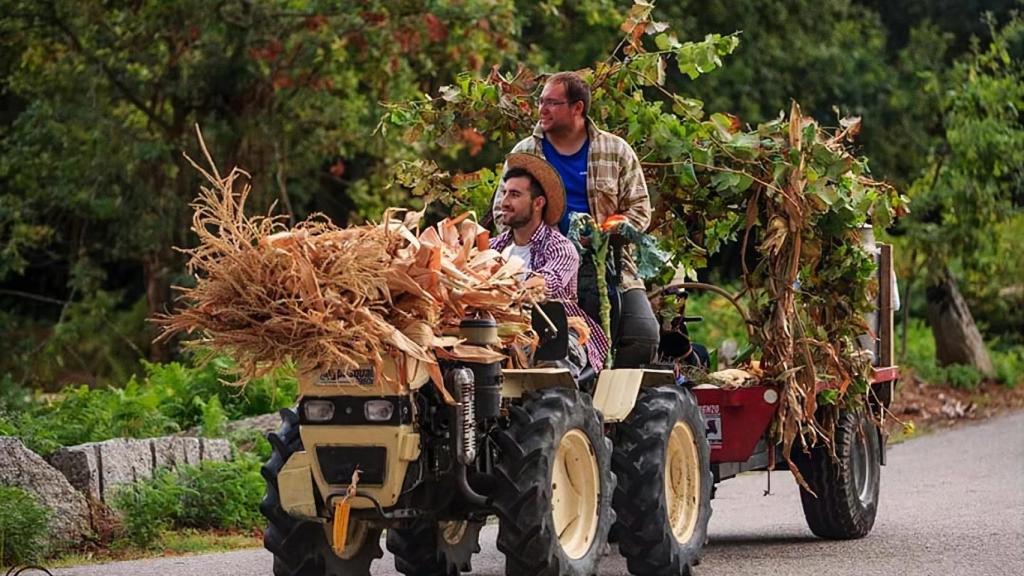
548, 102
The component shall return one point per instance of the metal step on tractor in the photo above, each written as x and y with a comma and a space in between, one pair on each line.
560, 463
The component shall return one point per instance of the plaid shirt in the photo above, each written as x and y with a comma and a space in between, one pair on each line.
615, 185
554, 258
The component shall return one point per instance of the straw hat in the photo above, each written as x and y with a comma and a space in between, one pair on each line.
549, 181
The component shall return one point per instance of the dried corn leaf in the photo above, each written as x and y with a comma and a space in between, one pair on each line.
328, 297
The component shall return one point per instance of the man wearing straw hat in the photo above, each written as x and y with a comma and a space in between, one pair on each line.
602, 177
532, 205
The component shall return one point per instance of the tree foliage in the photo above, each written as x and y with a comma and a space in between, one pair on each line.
96, 189
969, 201
98, 99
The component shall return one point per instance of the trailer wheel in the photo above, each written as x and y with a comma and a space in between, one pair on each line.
846, 487
555, 485
301, 547
663, 500
430, 548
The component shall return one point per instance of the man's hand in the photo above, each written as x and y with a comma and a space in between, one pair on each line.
613, 223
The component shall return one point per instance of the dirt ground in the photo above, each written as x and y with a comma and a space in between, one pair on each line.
934, 407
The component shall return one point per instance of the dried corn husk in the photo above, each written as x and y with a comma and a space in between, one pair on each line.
327, 297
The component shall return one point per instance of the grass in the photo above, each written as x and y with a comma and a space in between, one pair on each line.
172, 543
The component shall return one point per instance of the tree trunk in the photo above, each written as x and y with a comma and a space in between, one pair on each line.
957, 339
158, 288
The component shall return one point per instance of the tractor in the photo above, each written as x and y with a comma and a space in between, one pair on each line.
560, 462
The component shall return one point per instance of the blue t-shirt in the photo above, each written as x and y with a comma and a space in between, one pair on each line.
573, 170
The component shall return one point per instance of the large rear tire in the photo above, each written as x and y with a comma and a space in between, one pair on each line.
847, 486
555, 484
430, 548
301, 547
663, 500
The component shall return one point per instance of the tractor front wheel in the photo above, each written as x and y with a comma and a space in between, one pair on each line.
554, 486
431, 548
663, 500
301, 547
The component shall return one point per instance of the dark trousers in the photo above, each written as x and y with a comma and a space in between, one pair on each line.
637, 332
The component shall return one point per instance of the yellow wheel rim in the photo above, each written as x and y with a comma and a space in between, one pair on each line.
575, 494
682, 482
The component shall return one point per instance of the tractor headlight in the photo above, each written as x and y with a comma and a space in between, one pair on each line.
378, 410
319, 410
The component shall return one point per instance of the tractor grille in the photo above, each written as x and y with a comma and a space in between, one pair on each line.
339, 462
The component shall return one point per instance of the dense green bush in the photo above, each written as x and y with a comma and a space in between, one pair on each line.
24, 526
13, 397
962, 376
920, 356
1009, 366
181, 385
149, 507
221, 495
167, 399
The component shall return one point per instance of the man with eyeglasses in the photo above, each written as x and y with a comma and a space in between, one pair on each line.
602, 177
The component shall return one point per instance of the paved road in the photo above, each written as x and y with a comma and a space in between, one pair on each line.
952, 503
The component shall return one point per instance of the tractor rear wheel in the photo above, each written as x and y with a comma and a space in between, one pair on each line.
845, 498
663, 500
301, 547
431, 548
555, 484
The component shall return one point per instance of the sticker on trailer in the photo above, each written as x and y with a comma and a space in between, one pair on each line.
712, 414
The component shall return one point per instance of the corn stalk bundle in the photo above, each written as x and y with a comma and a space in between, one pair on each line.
814, 280
332, 298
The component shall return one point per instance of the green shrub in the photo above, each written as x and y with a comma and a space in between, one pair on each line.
171, 397
92, 415
963, 376
24, 526
1009, 366
148, 508
13, 397
180, 384
252, 442
221, 495
213, 417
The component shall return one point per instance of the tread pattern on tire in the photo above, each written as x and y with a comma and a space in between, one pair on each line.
837, 512
418, 551
523, 497
300, 547
643, 530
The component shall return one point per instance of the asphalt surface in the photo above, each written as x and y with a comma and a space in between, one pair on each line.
951, 503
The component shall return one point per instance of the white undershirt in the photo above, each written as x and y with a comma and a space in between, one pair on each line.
523, 252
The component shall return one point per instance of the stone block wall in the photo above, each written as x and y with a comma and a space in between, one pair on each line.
98, 468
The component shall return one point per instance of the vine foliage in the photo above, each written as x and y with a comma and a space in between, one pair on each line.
791, 192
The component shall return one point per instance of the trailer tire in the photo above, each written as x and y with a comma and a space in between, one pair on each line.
555, 485
661, 450
847, 487
431, 548
301, 547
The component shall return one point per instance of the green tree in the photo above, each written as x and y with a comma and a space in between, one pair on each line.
94, 190
970, 199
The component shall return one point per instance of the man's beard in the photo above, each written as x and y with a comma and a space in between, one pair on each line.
516, 220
